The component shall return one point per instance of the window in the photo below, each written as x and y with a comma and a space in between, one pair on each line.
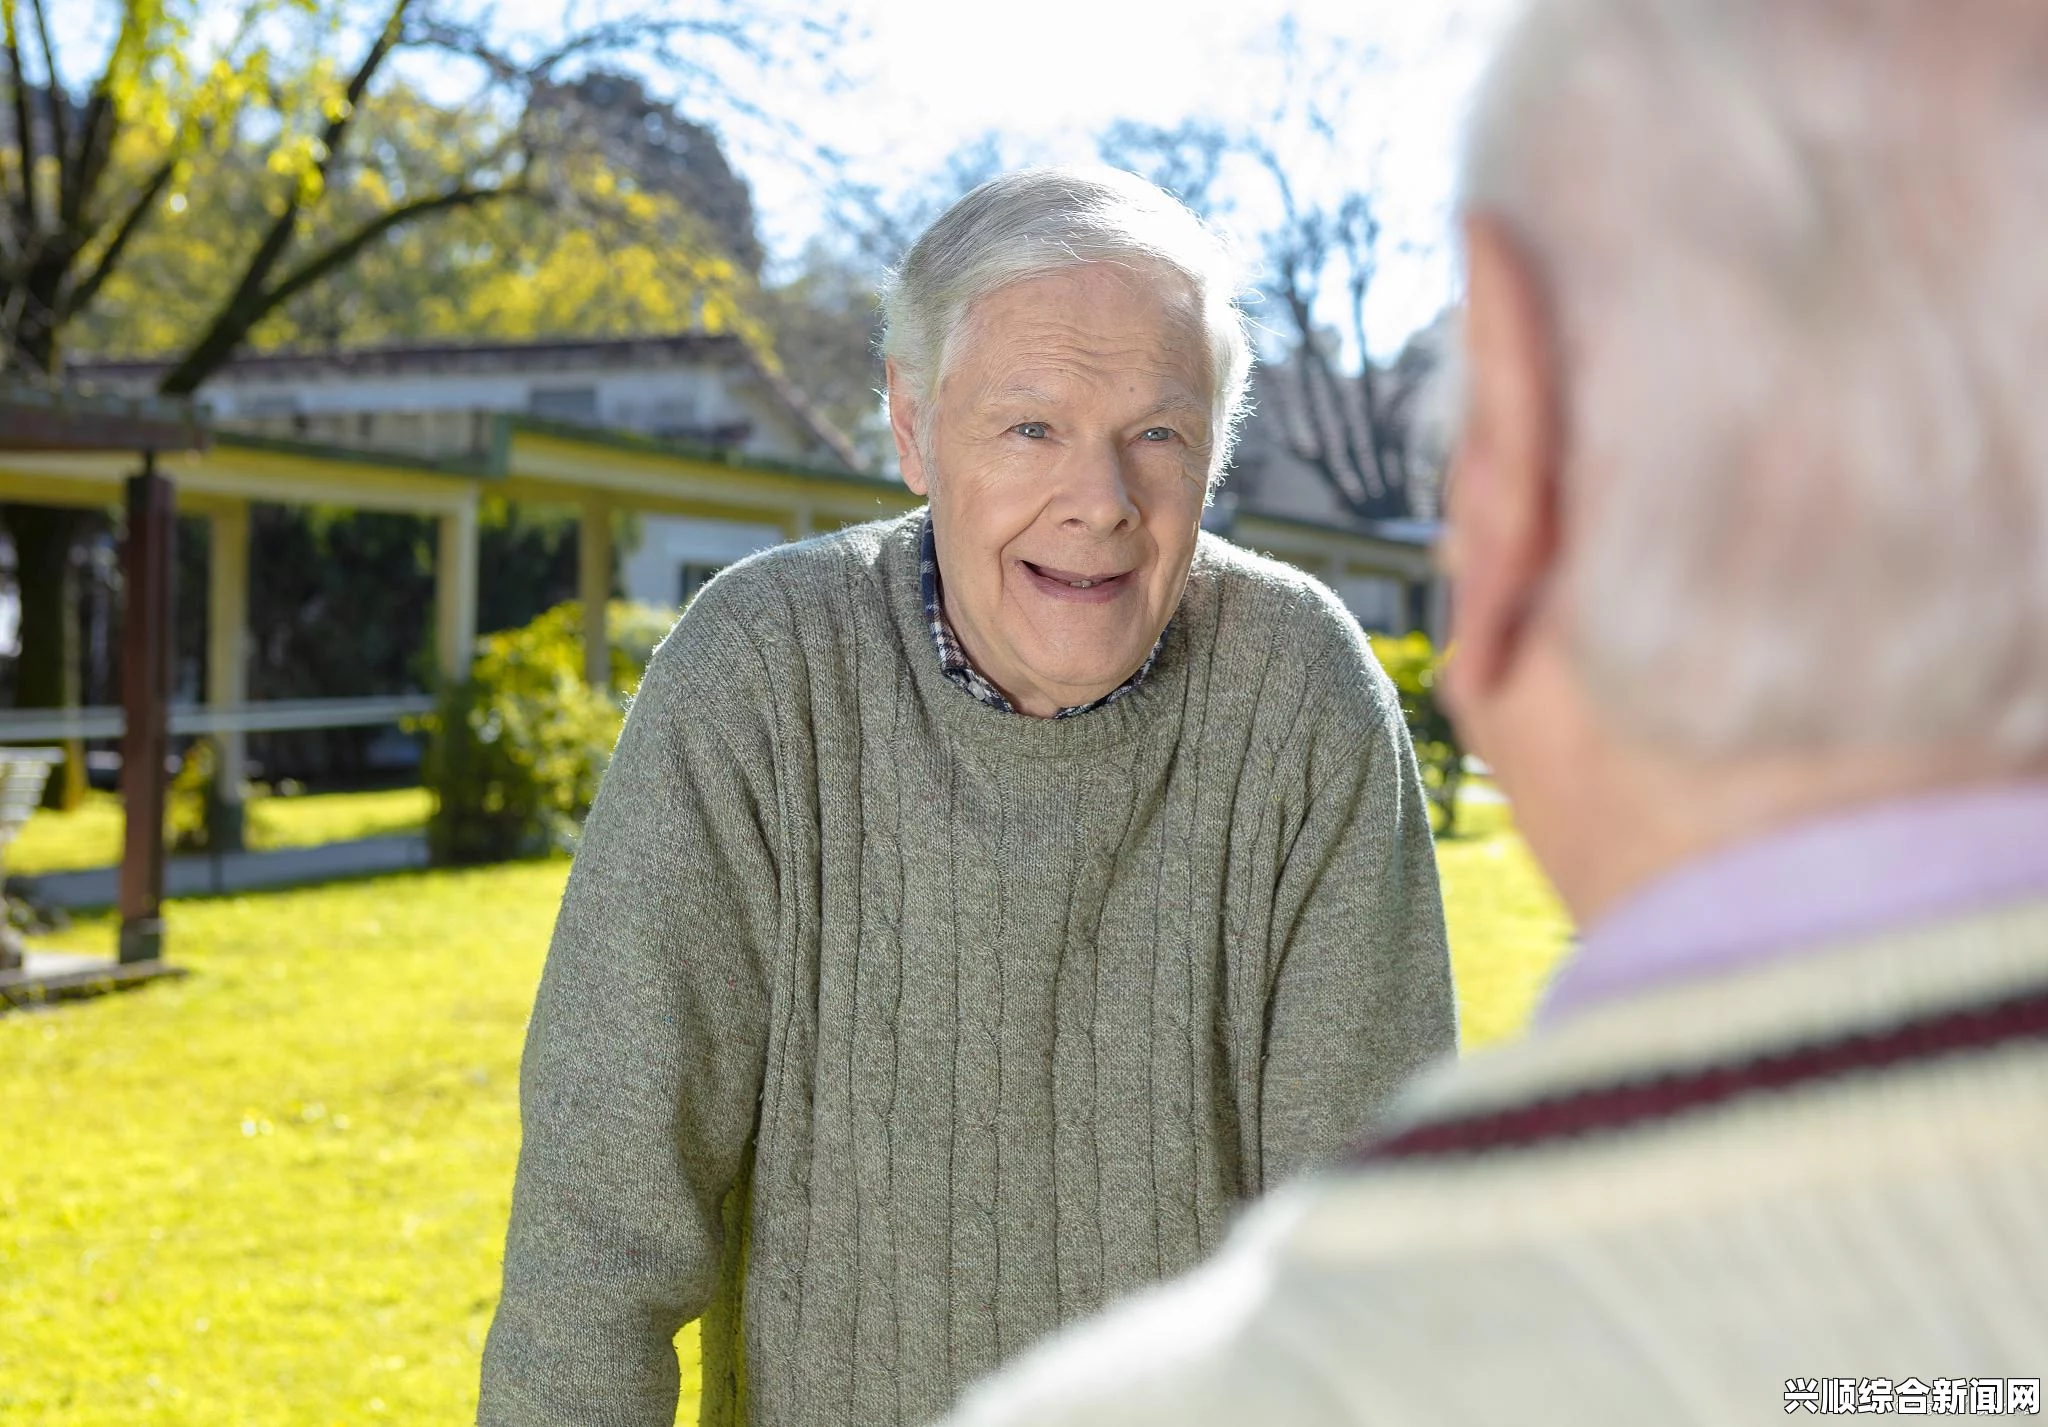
272, 404
692, 577
564, 403
1380, 604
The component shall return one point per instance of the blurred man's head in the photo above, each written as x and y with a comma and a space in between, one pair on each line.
1066, 365
1750, 516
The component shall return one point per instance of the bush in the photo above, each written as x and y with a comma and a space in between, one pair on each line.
516, 751
196, 818
1413, 664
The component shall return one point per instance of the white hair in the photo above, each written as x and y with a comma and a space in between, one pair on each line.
1797, 254
1038, 221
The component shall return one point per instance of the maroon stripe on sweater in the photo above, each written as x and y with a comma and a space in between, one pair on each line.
1627, 1104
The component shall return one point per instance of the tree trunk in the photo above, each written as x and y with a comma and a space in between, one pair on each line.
46, 673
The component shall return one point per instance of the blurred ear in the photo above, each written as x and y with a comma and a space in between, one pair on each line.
1503, 505
903, 424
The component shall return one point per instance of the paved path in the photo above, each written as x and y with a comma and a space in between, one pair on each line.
45, 977
238, 871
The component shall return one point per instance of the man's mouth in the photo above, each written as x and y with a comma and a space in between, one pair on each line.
1076, 579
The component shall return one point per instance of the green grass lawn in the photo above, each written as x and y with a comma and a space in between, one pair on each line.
275, 1192
1507, 929
91, 837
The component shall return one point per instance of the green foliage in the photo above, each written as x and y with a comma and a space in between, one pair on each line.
195, 819
517, 750
191, 792
1413, 664
604, 255
633, 631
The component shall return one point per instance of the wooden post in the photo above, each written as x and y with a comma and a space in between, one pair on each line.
227, 683
594, 590
148, 566
455, 593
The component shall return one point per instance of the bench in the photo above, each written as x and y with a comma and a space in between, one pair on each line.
23, 772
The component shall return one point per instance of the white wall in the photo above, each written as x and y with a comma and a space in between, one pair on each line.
659, 400
1380, 604
652, 572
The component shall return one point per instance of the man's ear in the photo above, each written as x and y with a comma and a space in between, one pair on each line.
903, 425
1504, 501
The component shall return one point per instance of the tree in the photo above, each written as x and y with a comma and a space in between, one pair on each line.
82, 180
1334, 409
619, 254
826, 326
825, 320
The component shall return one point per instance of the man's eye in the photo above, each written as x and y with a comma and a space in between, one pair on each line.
1033, 429
1157, 433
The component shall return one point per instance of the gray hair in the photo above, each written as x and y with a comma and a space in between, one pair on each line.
1795, 256
1038, 221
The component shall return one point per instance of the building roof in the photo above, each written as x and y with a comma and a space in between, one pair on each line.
61, 419
401, 358
420, 358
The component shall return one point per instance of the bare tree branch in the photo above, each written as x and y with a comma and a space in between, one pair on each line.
101, 120
1358, 235
246, 304
24, 129
338, 254
82, 293
1326, 414
60, 123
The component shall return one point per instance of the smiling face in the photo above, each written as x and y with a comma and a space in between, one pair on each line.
1067, 463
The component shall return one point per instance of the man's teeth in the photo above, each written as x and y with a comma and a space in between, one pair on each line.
1085, 582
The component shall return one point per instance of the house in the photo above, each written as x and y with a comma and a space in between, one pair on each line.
444, 402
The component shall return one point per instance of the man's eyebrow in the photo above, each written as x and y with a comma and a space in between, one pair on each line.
1180, 403
1010, 395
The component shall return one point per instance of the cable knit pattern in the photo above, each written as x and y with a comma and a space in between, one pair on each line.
1712, 1202
973, 1021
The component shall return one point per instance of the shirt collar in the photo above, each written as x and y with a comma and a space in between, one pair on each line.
959, 669
1858, 873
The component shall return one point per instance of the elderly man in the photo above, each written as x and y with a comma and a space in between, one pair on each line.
1750, 543
982, 904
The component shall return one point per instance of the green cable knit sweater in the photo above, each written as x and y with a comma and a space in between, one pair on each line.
930, 1026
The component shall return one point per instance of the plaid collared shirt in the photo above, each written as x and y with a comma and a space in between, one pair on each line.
960, 670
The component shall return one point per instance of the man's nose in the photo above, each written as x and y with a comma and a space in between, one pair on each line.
1095, 493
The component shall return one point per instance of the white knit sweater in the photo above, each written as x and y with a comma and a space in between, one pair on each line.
1723, 1202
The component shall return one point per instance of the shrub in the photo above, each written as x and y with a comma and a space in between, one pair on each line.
516, 750
196, 817
1413, 664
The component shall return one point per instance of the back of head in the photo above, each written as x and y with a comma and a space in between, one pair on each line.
1793, 254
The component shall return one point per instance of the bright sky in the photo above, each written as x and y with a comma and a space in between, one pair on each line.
935, 73
929, 76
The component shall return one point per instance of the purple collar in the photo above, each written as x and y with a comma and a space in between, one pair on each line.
1853, 874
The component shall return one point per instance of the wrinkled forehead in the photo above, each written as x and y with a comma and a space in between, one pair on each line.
1095, 329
